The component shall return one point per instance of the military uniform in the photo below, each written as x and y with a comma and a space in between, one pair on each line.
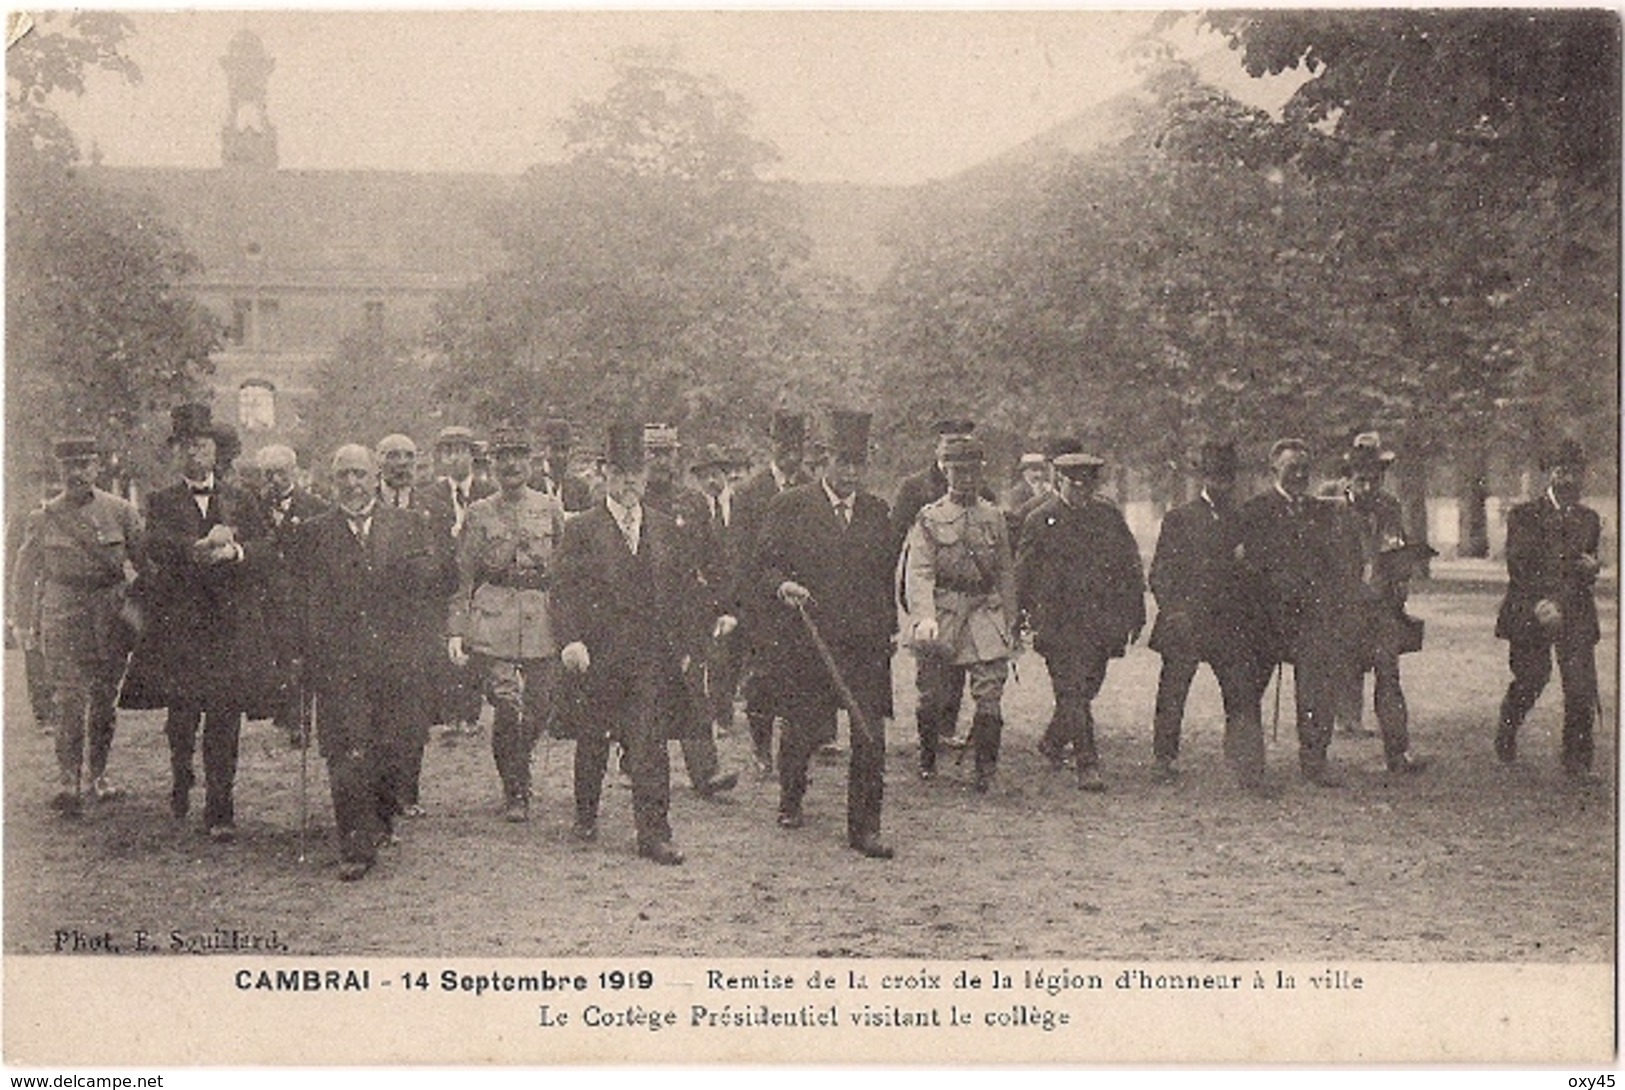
958, 572
81, 551
504, 563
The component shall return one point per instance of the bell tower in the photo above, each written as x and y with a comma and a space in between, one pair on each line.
248, 139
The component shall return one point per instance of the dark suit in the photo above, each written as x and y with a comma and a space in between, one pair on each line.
572, 492
638, 616
848, 569
1078, 578
282, 595
198, 652
1545, 547
1304, 563
367, 656
1205, 614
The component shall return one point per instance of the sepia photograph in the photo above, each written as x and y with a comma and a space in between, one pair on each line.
885, 536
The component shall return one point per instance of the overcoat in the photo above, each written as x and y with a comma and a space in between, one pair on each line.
1078, 577
1205, 611
1544, 544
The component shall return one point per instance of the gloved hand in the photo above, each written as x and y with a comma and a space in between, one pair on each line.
725, 624
575, 657
926, 630
455, 652
793, 594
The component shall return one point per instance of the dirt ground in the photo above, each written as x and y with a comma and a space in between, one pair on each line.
1471, 861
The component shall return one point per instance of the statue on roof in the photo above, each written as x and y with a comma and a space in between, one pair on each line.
248, 137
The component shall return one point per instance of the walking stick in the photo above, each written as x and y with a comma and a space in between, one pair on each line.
307, 716
1275, 726
860, 718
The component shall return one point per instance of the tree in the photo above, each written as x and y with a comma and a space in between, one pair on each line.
372, 385
653, 274
100, 336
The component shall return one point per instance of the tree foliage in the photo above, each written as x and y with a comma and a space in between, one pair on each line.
371, 386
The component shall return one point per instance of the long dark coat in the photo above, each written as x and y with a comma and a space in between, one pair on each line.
1078, 576
281, 584
1543, 545
636, 615
1205, 611
364, 604
1304, 567
848, 569
204, 642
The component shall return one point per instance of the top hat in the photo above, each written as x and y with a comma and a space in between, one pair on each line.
962, 450
623, 447
508, 440
556, 431
660, 437
1077, 466
1062, 444
455, 435
849, 435
711, 456
1367, 453
1217, 459
75, 446
1566, 452
190, 421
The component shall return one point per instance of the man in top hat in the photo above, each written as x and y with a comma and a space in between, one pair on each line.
287, 506
690, 513
961, 589
455, 489
827, 548
554, 475
1380, 629
370, 571
79, 548
1205, 613
205, 540
1304, 567
1079, 580
785, 469
1550, 606
627, 609
500, 616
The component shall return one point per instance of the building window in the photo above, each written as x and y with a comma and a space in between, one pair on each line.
242, 316
266, 312
256, 405
372, 316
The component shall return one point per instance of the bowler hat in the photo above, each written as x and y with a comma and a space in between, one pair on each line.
1367, 453
962, 450
1078, 466
1217, 459
75, 446
623, 446
1566, 452
453, 436
849, 434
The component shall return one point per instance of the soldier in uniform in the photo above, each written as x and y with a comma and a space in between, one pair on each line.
828, 548
288, 506
79, 547
1380, 626
1079, 580
626, 606
1304, 567
370, 572
1550, 606
1205, 614
784, 470
499, 616
961, 589
23, 601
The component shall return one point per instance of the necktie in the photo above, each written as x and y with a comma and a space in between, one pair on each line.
843, 508
629, 530
358, 527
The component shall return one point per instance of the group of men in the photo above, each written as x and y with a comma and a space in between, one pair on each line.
627, 612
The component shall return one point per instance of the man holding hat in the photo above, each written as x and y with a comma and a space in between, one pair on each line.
1550, 606
1079, 579
784, 470
205, 540
828, 549
1381, 629
626, 608
1205, 613
80, 546
961, 588
500, 613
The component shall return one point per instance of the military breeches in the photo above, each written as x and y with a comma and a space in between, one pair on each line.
1076, 675
1238, 688
521, 694
1531, 664
85, 717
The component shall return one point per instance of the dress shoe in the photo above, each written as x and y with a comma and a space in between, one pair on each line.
791, 819
351, 870
661, 852
1506, 745
106, 790
928, 764
1052, 753
871, 846
388, 838
1405, 764
67, 802
1089, 778
584, 830
517, 810
223, 833
716, 785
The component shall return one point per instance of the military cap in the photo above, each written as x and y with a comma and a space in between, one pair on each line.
1077, 465
623, 446
962, 450
453, 436
391, 444
849, 434
1033, 458
556, 431
75, 446
711, 457
660, 437
508, 440
1566, 452
1367, 453
1062, 444
1217, 458
788, 429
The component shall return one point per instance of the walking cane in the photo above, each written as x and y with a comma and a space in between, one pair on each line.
860, 719
1275, 726
307, 717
